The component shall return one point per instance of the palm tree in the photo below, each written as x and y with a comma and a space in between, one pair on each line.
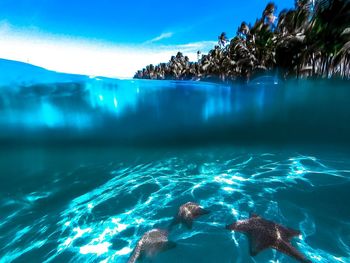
222, 40
243, 30
199, 53
326, 36
268, 15
312, 39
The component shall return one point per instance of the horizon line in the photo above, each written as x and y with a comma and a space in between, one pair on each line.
90, 57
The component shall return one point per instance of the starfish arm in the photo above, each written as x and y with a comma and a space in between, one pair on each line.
257, 244
169, 245
242, 226
200, 211
288, 249
136, 254
288, 233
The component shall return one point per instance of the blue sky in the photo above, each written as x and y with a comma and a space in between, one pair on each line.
132, 27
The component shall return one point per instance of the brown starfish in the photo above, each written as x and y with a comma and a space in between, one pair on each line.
187, 213
265, 234
151, 243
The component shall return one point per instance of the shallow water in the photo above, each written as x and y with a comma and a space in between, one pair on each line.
84, 176
164, 113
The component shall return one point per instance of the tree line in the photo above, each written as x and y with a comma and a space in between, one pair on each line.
310, 40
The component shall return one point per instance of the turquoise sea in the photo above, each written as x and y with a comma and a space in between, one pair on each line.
87, 167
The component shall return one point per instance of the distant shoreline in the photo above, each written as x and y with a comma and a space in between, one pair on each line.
311, 40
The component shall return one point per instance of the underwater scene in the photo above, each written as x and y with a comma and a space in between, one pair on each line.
174, 131
90, 168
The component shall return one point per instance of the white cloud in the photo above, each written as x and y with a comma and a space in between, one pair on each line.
161, 37
79, 56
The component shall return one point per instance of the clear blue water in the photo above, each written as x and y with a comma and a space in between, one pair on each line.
87, 168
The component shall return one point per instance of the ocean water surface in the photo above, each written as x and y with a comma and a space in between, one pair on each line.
87, 167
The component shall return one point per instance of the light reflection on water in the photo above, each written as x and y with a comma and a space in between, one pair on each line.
59, 207
85, 104
104, 223
126, 111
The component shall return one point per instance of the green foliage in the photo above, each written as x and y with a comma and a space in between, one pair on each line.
306, 41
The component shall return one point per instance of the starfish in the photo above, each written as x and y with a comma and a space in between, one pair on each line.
187, 213
265, 234
151, 243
